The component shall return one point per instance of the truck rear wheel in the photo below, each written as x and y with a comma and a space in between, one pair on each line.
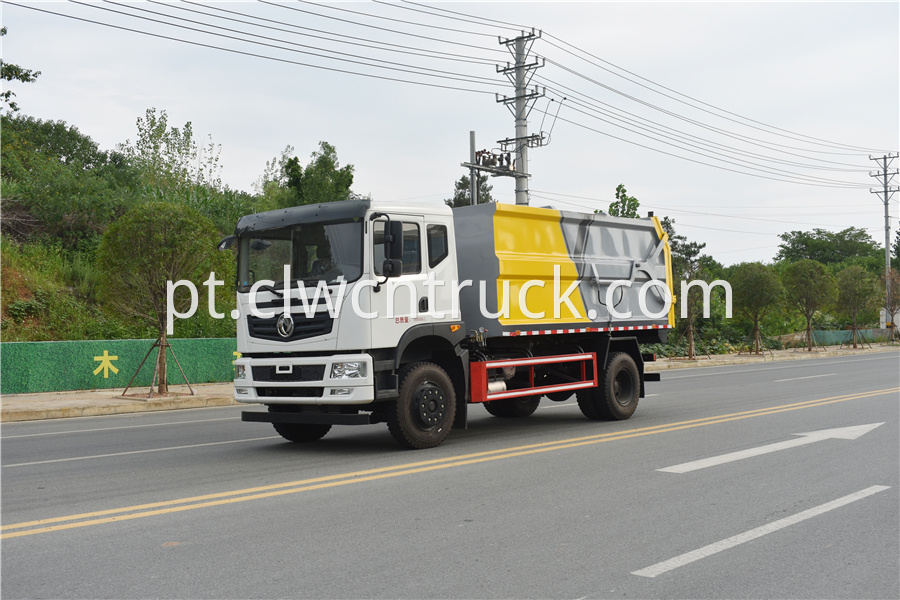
513, 408
616, 398
301, 432
422, 415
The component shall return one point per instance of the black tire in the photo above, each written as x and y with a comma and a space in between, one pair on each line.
560, 396
301, 432
616, 398
513, 408
423, 414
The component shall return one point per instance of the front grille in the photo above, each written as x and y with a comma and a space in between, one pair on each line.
292, 392
298, 373
319, 324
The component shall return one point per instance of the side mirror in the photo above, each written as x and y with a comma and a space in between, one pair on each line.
392, 268
226, 243
393, 241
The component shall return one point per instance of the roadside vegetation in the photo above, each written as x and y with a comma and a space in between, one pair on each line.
74, 215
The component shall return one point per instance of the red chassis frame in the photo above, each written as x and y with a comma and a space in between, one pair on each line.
479, 376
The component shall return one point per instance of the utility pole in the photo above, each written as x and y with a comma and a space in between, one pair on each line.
520, 104
501, 164
473, 172
885, 176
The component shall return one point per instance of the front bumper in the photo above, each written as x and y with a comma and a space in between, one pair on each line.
305, 380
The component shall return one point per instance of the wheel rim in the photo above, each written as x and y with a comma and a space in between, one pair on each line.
623, 387
429, 405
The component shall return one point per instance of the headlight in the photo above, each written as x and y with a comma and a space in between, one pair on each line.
348, 370
240, 372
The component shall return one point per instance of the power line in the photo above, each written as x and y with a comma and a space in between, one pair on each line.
406, 68
356, 12
784, 132
245, 53
681, 117
512, 25
804, 180
362, 42
658, 208
593, 106
739, 119
398, 32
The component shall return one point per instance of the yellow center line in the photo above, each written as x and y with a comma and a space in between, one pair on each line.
270, 491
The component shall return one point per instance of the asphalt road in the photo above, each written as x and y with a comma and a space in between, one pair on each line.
197, 504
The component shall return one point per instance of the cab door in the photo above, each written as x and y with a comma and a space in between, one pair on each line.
422, 293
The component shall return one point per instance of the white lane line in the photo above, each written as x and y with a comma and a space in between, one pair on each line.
807, 377
28, 435
795, 364
59, 460
706, 551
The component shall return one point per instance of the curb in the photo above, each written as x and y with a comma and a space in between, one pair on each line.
101, 408
718, 360
61, 405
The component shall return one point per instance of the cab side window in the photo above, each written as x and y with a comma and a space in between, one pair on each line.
438, 248
412, 248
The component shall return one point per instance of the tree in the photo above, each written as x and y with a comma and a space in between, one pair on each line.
757, 291
625, 205
169, 158
895, 261
857, 292
687, 265
810, 288
152, 244
322, 180
893, 304
462, 192
827, 247
11, 72
58, 183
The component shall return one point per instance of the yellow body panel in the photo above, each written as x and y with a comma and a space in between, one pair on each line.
529, 243
669, 279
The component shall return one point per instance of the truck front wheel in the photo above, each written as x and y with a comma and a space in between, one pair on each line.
422, 415
616, 398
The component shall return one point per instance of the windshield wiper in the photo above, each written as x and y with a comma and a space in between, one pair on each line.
269, 288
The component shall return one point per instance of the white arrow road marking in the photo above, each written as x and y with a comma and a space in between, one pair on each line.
843, 433
689, 557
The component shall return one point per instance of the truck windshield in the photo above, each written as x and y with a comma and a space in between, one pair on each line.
315, 252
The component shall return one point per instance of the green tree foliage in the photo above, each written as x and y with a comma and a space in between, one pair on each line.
462, 192
810, 288
890, 302
322, 180
857, 293
895, 251
827, 247
11, 72
154, 243
688, 264
625, 205
757, 291
168, 158
57, 184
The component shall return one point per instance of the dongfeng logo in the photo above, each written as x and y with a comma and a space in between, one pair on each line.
284, 325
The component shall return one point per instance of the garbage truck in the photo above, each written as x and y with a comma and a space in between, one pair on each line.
360, 312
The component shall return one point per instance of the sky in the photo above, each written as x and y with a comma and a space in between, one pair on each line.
718, 115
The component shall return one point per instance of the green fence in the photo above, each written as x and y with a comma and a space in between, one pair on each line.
29, 367
844, 336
